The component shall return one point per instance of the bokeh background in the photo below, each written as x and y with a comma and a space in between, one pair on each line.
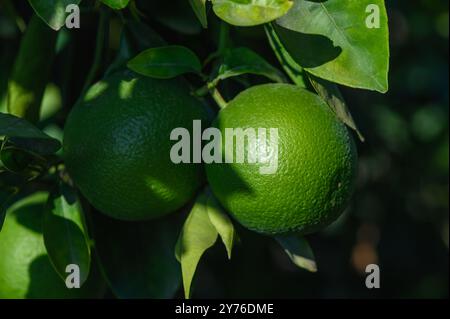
399, 214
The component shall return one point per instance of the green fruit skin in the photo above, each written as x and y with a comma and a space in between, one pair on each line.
25, 268
317, 163
117, 146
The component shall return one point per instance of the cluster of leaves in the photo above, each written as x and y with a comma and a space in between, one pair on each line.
319, 45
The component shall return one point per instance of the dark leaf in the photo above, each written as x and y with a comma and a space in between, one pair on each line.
26, 135
165, 62
299, 251
332, 95
137, 257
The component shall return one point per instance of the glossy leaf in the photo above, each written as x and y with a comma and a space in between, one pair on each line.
198, 234
299, 251
53, 12
116, 4
332, 95
250, 12
332, 40
292, 69
199, 7
244, 61
222, 223
165, 62
137, 258
26, 135
65, 232
135, 37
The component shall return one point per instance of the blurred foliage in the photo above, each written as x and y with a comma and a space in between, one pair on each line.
398, 217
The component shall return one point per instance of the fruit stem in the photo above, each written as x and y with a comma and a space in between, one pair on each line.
218, 98
99, 46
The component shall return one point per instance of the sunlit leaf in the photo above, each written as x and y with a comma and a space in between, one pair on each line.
198, 234
250, 12
335, 40
222, 223
116, 4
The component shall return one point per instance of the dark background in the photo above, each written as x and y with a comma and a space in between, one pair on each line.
398, 217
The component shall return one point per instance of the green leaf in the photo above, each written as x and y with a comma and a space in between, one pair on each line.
137, 258
13, 159
53, 12
332, 95
31, 70
199, 7
240, 61
26, 135
250, 12
222, 223
331, 40
292, 69
198, 234
116, 4
65, 232
7, 196
165, 62
299, 251
135, 37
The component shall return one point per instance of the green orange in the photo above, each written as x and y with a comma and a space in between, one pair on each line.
117, 146
316, 166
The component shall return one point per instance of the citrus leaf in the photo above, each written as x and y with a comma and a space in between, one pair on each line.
240, 61
116, 4
292, 69
14, 160
65, 232
31, 70
165, 62
199, 7
52, 12
7, 196
222, 223
139, 263
299, 251
26, 135
198, 234
250, 12
332, 95
331, 39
